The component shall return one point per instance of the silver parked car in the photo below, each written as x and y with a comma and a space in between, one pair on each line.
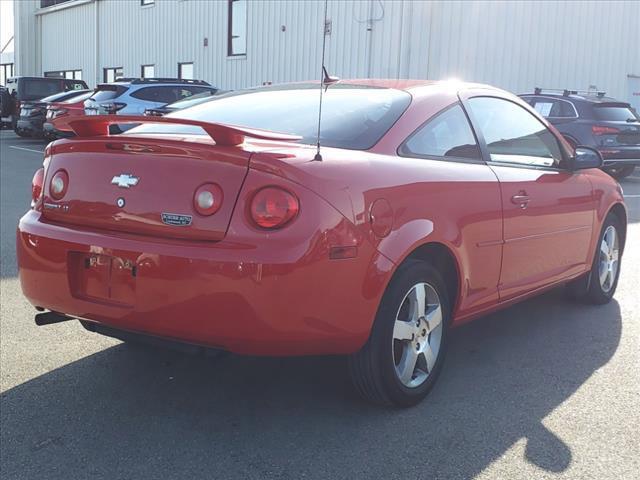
133, 96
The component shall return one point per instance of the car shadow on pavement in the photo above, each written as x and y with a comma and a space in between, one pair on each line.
139, 412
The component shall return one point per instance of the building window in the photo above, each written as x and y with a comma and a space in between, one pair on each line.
237, 28
185, 71
111, 74
70, 74
6, 71
148, 71
147, 2
50, 3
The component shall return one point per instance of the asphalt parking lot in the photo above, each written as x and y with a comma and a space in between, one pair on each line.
545, 389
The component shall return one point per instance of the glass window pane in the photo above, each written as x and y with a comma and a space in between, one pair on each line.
353, 116
513, 135
185, 71
446, 135
148, 71
237, 27
615, 113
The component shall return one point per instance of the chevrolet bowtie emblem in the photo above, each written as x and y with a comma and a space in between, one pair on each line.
125, 180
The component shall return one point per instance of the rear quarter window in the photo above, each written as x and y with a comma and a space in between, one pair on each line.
158, 94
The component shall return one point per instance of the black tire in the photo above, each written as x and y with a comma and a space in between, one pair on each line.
621, 172
20, 133
373, 368
589, 288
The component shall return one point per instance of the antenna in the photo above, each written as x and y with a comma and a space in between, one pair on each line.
325, 80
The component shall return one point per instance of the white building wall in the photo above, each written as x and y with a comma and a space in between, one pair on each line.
515, 45
68, 40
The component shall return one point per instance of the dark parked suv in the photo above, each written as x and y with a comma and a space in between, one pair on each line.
595, 120
20, 89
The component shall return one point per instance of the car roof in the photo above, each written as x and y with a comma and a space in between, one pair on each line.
591, 98
402, 84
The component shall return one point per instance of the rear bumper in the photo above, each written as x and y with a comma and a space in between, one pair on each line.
623, 155
242, 298
29, 126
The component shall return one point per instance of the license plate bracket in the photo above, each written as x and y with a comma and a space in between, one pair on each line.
102, 278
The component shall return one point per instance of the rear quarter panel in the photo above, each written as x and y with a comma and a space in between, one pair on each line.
422, 201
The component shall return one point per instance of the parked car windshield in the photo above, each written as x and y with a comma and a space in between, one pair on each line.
615, 113
353, 116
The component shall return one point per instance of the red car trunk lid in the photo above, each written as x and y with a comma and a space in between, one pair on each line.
144, 187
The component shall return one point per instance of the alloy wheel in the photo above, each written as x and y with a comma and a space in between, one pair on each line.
609, 256
417, 335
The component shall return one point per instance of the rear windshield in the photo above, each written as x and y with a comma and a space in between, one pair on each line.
615, 113
108, 92
36, 88
79, 98
353, 117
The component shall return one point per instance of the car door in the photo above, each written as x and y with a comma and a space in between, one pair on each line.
547, 209
456, 179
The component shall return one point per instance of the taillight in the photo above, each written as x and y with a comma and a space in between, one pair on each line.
56, 112
36, 186
59, 184
114, 107
602, 130
273, 207
207, 199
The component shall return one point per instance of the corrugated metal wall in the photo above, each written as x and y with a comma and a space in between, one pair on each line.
68, 40
515, 45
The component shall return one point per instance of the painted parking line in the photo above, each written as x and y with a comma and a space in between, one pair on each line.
632, 196
32, 150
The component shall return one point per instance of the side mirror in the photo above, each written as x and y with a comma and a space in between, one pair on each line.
586, 157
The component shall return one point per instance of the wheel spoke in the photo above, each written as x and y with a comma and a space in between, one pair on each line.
610, 236
429, 357
418, 301
407, 364
615, 254
434, 317
604, 273
604, 247
403, 330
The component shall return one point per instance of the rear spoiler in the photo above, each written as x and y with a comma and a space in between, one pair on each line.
230, 135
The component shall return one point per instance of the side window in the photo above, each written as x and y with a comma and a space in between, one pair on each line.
448, 134
156, 94
548, 107
189, 91
513, 135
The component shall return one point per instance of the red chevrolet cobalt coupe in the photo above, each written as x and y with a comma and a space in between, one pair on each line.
218, 226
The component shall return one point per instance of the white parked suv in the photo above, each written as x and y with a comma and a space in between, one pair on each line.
132, 96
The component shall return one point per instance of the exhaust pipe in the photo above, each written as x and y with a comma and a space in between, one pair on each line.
48, 318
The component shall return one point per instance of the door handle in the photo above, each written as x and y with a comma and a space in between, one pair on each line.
521, 199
